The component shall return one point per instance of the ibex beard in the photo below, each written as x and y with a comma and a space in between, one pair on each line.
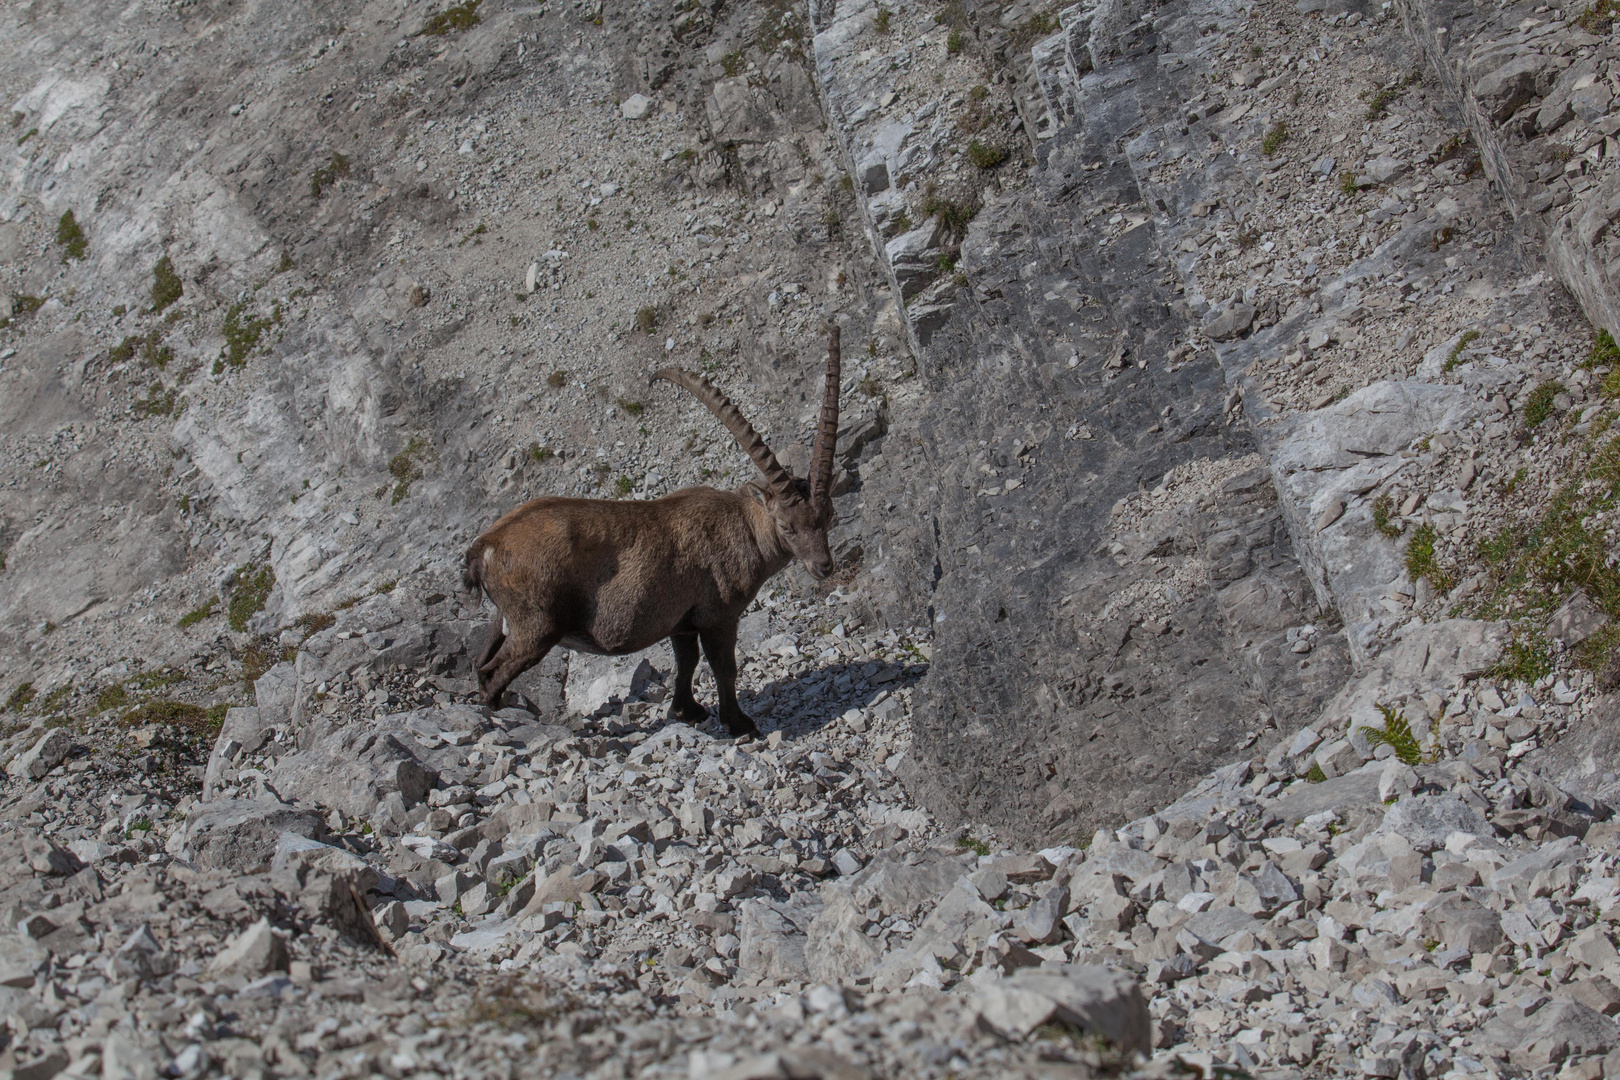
610, 577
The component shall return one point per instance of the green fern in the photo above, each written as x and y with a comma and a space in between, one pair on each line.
1398, 734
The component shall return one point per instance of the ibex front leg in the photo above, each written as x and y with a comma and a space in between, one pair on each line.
720, 646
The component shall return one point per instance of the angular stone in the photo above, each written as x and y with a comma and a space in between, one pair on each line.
1041, 922
1097, 1000
355, 770
254, 952
1577, 620
1425, 821
1517, 880
836, 946
1560, 1029
595, 683
241, 834
46, 754
772, 937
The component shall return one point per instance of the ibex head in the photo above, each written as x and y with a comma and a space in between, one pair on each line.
802, 509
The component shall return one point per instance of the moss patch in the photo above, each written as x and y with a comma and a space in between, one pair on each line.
75, 245
192, 618
453, 20
166, 285
180, 714
405, 469
336, 168
241, 335
1538, 406
251, 588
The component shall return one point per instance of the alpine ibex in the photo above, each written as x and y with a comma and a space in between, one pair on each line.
608, 577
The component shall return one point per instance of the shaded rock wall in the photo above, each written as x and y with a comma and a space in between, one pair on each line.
1094, 651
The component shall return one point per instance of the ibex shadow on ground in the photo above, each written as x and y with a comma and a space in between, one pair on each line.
609, 577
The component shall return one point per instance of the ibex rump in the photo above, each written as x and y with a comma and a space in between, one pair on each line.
610, 577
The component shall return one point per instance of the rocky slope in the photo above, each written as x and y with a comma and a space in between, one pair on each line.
1218, 673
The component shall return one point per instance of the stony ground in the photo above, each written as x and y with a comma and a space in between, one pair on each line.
393, 281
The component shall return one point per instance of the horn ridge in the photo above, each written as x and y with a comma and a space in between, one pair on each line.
821, 459
752, 443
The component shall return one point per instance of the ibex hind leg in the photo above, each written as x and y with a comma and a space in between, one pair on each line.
497, 637
685, 706
511, 660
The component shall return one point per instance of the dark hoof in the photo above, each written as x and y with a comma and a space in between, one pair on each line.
691, 713
744, 729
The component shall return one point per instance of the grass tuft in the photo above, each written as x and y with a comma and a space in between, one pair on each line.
453, 19
336, 168
192, 618
250, 590
75, 245
166, 286
1316, 775
1274, 139
986, 156
1538, 406
973, 844
1454, 357
1421, 561
1383, 516
404, 468
20, 697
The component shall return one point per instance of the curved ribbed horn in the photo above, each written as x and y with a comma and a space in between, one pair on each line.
821, 459
749, 439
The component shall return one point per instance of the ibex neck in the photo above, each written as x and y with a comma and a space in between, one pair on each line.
767, 538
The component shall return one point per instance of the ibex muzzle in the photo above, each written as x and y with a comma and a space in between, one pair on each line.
609, 577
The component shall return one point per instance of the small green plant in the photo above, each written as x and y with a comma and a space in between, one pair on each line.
1378, 104
24, 304
1397, 734
1039, 25
404, 469
241, 336
251, 588
623, 486
74, 243
1274, 139
115, 696
20, 697
1421, 561
953, 215
159, 401
881, 22
335, 169
138, 825
192, 618
955, 42
180, 714
986, 156
1316, 775
541, 453
25, 136
732, 65
1383, 516
973, 844
631, 408
452, 19
1604, 352
1528, 658
1598, 17
1347, 182
1538, 405
557, 380
1454, 357
647, 318
166, 286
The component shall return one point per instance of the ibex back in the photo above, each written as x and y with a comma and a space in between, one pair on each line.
603, 576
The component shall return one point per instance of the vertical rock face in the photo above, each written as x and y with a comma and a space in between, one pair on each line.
1110, 581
